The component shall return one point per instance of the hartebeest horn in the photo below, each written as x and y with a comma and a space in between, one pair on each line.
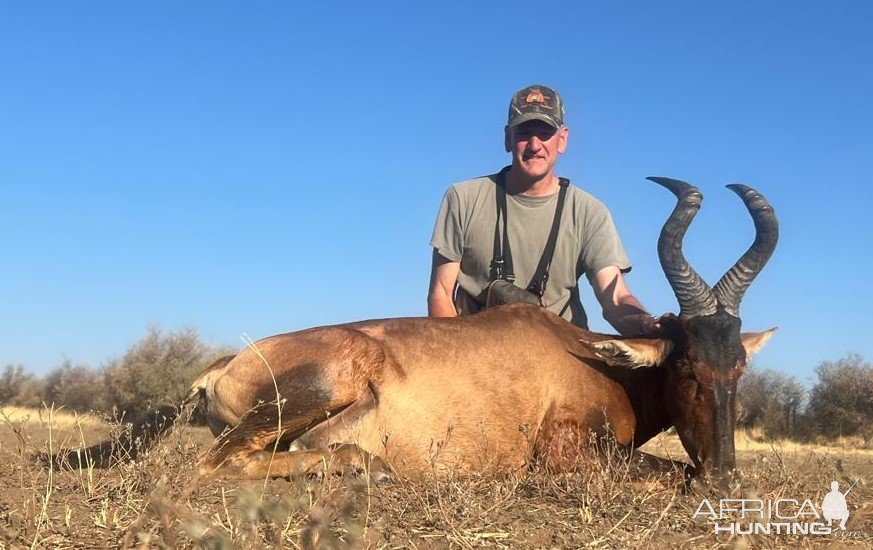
694, 295
730, 288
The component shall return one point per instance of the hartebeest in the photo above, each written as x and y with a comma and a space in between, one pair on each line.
497, 389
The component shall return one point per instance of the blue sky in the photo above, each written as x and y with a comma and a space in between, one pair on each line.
264, 167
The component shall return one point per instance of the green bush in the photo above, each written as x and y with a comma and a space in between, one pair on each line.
19, 387
772, 401
841, 402
75, 387
157, 370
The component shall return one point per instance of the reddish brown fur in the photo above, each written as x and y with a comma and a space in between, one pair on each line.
491, 391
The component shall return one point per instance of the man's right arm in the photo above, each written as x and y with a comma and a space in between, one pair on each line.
443, 278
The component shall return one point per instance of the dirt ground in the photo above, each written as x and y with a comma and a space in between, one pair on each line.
159, 502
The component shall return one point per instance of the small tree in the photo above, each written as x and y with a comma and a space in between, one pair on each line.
770, 400
30, 393
75, 387
12, 381
841, 402
157, 370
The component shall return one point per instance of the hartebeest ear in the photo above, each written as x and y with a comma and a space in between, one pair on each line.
754, 341
633, 353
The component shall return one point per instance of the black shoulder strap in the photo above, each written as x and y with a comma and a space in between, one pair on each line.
501, 264
541, 275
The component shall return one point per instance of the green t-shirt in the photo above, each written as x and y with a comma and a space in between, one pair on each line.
587, 240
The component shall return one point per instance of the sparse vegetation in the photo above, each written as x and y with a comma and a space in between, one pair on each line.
159, 502
841, 403
19, 387
772, 402
75, 387
155, 371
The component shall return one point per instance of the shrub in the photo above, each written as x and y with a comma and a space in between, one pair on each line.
157, 370
841, 402
12, 381
75, 387
772, 401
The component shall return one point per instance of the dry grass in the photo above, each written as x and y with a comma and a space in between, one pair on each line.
158, 502
59, 417
754, 441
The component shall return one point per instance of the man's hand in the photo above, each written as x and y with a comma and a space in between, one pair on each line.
648, 326
641, 324
622, 309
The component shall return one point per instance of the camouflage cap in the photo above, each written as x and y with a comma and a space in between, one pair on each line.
536, 102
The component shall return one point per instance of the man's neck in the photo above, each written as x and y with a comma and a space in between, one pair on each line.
518, 183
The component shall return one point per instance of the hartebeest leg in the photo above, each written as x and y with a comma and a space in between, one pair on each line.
563, 445
569, 439
339, 427
256, 433
307, 392
344, 458
250, 450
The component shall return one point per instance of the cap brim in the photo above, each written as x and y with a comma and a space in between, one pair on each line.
521, 119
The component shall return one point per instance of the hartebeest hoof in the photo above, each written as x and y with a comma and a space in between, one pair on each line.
381, 475
351, 459
727, 485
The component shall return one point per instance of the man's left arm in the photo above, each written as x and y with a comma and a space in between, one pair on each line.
620, 307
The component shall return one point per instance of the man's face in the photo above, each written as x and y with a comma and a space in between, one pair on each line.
535, 146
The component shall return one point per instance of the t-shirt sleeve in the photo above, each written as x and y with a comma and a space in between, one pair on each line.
601, 245
448, 235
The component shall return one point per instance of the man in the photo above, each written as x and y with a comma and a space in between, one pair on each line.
587, 242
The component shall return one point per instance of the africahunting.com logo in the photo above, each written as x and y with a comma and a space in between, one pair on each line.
782, 516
